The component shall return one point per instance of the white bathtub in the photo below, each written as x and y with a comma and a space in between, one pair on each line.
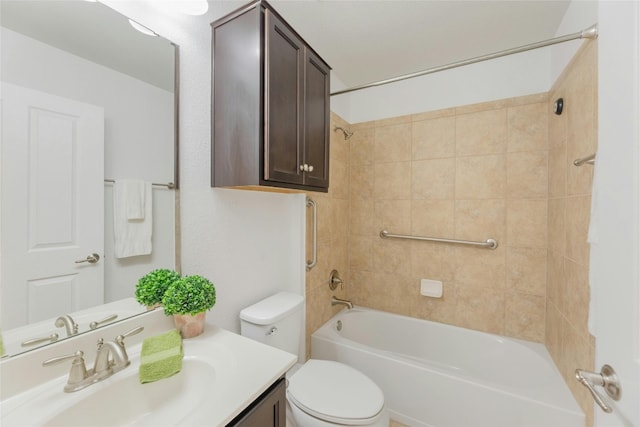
439, 375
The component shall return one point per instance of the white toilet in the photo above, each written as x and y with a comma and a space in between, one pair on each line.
320, 393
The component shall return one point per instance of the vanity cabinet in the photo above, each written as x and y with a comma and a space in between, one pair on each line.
268, 410
270, 104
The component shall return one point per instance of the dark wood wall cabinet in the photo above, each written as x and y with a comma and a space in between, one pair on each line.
270, 96
268, 410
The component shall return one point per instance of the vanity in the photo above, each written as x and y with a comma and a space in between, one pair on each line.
226, 380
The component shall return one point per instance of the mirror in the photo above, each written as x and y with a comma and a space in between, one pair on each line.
94, 80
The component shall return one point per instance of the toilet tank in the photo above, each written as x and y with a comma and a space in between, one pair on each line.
276, 321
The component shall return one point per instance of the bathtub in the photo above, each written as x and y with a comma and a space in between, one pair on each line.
437, 375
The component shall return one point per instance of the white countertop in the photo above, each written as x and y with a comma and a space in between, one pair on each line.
256, 367
242, 370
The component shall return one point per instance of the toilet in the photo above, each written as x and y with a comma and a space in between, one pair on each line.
320, 393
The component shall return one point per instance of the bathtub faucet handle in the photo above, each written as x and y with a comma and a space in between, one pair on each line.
335, 280
607, 379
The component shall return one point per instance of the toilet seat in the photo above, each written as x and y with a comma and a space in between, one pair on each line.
336, 393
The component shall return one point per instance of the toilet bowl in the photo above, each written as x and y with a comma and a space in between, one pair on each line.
327, 393
320, 393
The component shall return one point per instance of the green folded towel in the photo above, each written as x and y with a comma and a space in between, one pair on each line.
161, 356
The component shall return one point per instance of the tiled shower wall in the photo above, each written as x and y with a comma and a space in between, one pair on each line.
572, 135
471, 173
333, 234
500, 169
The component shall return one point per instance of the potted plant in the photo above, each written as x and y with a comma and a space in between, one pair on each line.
188, 299
152, 286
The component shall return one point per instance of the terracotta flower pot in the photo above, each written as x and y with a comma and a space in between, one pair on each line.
189, 325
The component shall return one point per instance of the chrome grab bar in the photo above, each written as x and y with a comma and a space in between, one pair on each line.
489, 243
314, 259
51, 338
607, 378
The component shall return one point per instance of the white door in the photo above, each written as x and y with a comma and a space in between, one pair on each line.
52, 205
615, 256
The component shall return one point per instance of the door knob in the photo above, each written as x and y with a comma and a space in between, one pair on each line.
91, 259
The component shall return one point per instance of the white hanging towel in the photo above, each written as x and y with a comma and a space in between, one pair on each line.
132, 218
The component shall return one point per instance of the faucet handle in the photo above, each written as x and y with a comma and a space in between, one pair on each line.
120, 338
78, 372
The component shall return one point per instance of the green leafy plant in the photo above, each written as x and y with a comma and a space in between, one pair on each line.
152, 286
189, 295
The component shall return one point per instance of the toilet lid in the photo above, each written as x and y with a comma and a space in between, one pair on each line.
335, 392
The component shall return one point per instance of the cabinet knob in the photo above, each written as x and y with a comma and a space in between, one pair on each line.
302, 167
310, 168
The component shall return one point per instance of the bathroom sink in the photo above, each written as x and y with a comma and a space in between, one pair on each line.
121, 400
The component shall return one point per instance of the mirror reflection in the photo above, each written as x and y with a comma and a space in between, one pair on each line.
88, 166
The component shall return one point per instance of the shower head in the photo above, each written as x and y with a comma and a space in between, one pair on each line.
347, 133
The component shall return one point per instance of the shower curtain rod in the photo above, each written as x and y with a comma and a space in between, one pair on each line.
589, 33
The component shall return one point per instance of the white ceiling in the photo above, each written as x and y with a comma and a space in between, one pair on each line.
371, 40
363, 41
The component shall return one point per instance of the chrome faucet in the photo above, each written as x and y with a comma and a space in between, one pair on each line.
69, 324
112, 356
335, 301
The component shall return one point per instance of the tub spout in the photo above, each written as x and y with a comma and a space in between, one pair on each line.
335, 301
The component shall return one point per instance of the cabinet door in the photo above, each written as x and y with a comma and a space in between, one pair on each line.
269, 410
284, 68
316, 125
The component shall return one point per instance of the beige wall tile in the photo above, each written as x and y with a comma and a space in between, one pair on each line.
361, 218
527, 223
433, 261
393, 216
480, 177
576, 297
577, 217
392, 256
480, 269
481, 309
553, 332
433, 179
361, 253
527, 127
557, 225
480, 133
527, 270
479, 220
339, 180
392, 181
392, 143
558, 165
527, 175
557, 123
555, 280
434, 218
524, 316
432, 139
361, 146
361, 181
